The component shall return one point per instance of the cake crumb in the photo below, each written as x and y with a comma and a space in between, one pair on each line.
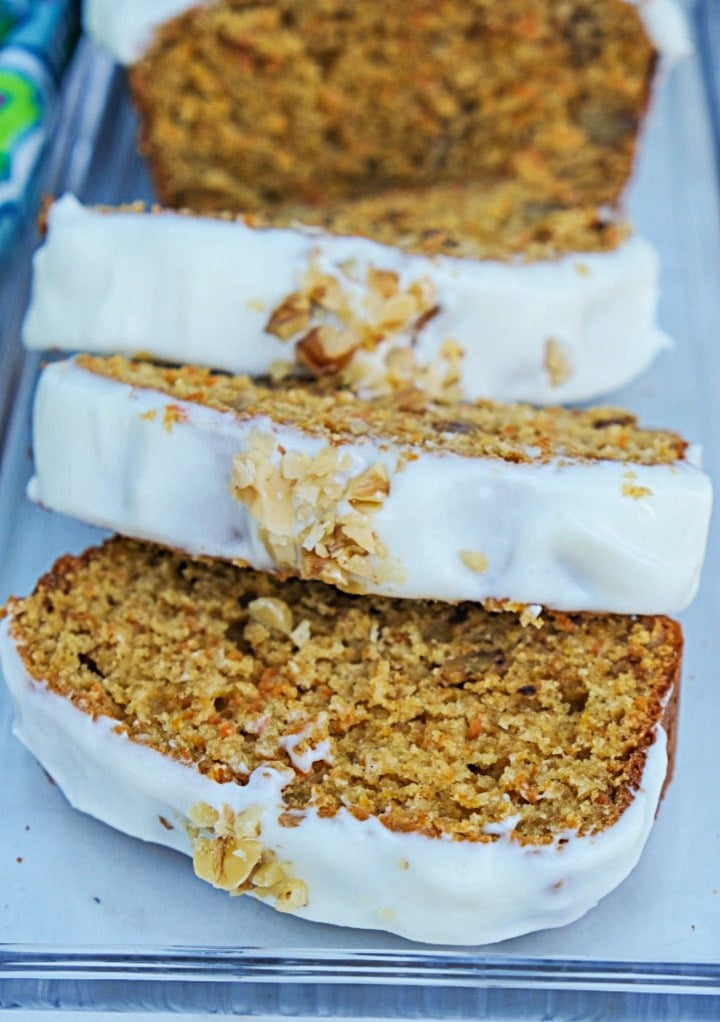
557, 363
172, 415
631, 489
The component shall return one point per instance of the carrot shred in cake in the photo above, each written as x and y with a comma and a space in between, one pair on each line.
435, 718
248, 105
516, 433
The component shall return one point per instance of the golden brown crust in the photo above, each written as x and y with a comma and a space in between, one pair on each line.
434, 718
670, 718
258, 104
499, 222
515, 433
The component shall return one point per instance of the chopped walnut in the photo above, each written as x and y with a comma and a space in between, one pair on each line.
474, 560
280, 370
400, 361
529, 613
272, 612
398, 312
330, 326
401, 373
290, 317
203, 815
313, 517
224, 862
326, 350
228, 854
289, 894
302, 634
327, 292
371, 487
269, 874
247, 823
631, 489
557, 363
386, 283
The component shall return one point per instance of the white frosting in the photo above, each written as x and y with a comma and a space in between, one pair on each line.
570, 536
303, 761
357, 873
667, 27
315, 752
126, 29
194, 289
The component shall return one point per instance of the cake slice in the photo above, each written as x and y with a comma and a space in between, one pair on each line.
437, 771
255, 104
460, 291
577, 510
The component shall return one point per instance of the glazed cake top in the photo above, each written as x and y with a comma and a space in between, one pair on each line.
516, 433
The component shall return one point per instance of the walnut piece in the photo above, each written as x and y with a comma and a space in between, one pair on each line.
290, 317
474, 560
326, 350
632, 489
228, 854
332, 320
371, 487
272, 612
529, 613
313, 516
226, 863
203, 815
557, 363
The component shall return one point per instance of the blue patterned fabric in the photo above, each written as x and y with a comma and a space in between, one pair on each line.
36, 39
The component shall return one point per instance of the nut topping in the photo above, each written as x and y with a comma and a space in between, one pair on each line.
227, 858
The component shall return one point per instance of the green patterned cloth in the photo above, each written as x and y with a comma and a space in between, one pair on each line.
11, 12
36, 39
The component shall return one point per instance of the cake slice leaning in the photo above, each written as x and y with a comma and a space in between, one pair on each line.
245, 105
405, 498
464, 292
438, 771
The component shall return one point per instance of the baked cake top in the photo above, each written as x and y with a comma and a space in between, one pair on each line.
516, 433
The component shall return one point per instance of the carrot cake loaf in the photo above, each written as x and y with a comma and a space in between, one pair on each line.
536, 304
438, 771
248, 104
577, 510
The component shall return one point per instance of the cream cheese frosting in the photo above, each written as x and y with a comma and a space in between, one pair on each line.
573, 535
355, 873
126, 30
667, 27
195, 289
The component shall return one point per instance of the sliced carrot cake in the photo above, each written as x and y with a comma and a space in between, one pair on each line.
438, 771
258, 103
470, 296
577, 510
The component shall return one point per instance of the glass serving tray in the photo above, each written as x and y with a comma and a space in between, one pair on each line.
91, 919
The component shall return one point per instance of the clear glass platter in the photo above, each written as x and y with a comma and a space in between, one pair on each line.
91, 919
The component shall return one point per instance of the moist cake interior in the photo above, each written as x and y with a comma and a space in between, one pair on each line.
436, 718
249, 105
